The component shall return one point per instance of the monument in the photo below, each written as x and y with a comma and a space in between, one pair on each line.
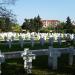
27, 57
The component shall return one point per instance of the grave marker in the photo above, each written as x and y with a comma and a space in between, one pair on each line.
28, 57
21, 41
12, 38
59, 41
9, 43
42, 41
51, 40
32, 41
53, 57
1, 60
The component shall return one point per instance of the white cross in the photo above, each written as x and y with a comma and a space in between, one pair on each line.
27, 57
9, 43
32, 41
59, 40
21, 41
1, 60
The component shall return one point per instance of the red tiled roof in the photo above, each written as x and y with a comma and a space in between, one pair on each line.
50, 20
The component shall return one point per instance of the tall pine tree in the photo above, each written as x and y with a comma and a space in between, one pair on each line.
68, 26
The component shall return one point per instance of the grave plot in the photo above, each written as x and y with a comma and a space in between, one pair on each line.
42, 44
42, 64
43, 61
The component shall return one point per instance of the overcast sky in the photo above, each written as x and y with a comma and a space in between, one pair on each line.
47, 9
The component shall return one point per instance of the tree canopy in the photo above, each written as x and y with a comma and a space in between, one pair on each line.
68, 26
6, 15
33, 24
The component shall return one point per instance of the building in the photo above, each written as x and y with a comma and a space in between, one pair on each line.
52, 23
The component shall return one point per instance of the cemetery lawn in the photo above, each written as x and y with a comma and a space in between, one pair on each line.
40, 66
37, 46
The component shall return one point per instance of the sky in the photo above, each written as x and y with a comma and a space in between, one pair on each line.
47, 9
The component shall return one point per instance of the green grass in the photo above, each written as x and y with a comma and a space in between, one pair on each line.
17, 47
40, 66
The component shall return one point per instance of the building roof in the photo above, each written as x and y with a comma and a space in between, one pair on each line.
51, 20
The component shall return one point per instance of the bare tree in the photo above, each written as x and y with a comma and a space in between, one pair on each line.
2, 2
4, 12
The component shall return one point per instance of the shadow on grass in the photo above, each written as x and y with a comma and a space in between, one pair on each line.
40, 66
37, 46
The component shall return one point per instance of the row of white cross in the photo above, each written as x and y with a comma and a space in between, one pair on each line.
32, 41
34, 34
53, 54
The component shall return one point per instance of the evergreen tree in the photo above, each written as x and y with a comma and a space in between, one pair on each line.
26, 25
6, 16
68, 26
38, 23
33, 24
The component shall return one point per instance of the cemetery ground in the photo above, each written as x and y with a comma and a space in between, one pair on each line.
40, 64
40, 67
16, 46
